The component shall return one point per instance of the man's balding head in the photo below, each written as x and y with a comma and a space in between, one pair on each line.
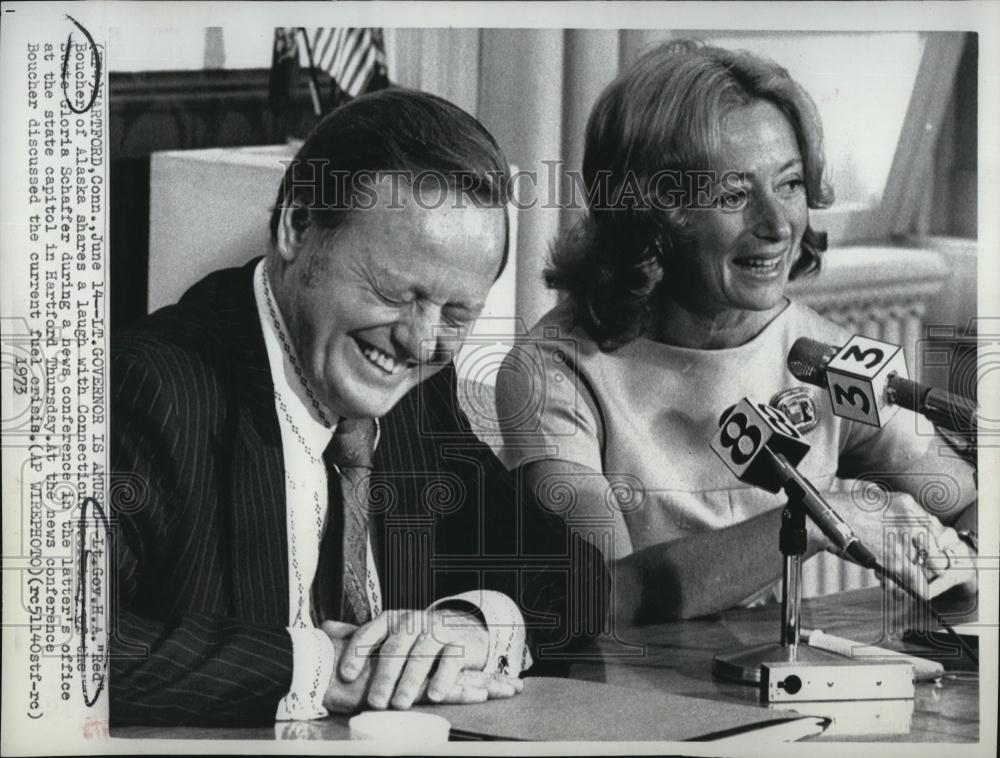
411, 138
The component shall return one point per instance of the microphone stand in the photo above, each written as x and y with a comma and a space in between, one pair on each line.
744, 665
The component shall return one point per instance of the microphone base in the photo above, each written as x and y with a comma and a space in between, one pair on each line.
743, 666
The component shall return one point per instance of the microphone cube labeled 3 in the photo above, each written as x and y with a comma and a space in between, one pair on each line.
857, 377
749, 433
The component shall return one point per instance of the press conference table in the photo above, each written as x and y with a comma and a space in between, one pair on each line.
679, 660
677, 657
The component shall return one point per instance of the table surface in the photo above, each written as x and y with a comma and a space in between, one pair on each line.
677, 658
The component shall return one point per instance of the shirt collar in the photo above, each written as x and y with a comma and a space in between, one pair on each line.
307, 411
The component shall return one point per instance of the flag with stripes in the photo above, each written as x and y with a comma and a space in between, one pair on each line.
353, 57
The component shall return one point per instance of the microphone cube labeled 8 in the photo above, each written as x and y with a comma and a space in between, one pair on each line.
747, 432
857, 377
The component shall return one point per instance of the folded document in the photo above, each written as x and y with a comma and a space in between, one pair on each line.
552, 709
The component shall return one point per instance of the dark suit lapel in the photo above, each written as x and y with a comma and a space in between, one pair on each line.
257, 481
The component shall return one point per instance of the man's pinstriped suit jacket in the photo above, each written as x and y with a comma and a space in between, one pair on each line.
198, 509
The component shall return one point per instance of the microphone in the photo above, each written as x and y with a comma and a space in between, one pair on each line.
867, 382
798, 488
761, 447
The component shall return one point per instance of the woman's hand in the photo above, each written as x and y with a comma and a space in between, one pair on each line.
952, 564
910, 544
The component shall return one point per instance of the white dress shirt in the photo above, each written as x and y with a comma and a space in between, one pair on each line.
306, 428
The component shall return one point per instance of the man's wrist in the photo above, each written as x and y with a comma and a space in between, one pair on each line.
507, 651
314, 659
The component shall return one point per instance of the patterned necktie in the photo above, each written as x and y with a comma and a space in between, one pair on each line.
348, 460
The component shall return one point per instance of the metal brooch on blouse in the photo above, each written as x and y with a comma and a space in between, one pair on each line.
799, 405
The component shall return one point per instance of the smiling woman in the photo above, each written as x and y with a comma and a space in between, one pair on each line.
690, 112
673, 312
732, 272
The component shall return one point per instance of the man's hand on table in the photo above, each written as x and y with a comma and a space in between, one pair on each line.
402, 657
343, 696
